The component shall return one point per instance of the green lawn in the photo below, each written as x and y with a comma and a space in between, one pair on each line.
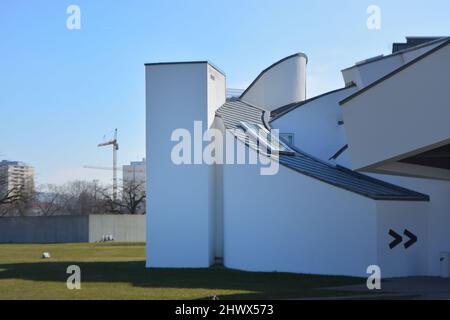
117, 271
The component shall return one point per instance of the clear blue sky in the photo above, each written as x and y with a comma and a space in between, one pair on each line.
62, 90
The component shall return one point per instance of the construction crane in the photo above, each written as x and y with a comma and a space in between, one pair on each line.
98, 168
115, 144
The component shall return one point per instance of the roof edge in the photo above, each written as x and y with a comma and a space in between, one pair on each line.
313, 163
302, 103
186, 62
393, 73
382, 56
298, 54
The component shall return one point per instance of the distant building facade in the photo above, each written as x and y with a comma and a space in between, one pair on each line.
134, 182
134, 173
16, 176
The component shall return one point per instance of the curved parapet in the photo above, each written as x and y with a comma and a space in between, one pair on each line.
282, 83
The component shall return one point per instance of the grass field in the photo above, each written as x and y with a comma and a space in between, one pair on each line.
117, 271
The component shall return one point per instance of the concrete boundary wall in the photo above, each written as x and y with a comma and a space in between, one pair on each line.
124, 228
72, 229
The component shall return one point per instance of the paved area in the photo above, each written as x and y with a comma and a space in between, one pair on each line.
428, 288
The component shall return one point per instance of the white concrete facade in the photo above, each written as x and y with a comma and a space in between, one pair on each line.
319, 119
318, 133
288, 222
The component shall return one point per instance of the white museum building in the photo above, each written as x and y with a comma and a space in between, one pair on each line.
363, 171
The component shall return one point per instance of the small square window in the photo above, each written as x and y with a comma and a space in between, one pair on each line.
264, 136
288, 138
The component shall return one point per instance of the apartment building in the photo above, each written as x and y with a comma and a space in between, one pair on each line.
134, 182
16, 175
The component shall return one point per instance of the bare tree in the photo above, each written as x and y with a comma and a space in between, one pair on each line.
131, 199
49, 200
82, 197
7, 195
73, 198
135, 198
25, 204
10, 198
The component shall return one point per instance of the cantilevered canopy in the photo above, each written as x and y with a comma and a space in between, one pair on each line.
401, 123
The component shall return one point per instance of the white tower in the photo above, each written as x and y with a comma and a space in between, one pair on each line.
180, 204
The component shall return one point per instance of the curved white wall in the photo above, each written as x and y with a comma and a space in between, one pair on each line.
293, 223
290, 222
315, 125
281, 84
317, 133
438, 216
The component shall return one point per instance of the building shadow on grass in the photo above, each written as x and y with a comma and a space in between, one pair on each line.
261, 285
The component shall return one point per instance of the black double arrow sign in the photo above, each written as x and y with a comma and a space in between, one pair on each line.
399, 239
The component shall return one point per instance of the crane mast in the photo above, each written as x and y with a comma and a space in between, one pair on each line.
115, 144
